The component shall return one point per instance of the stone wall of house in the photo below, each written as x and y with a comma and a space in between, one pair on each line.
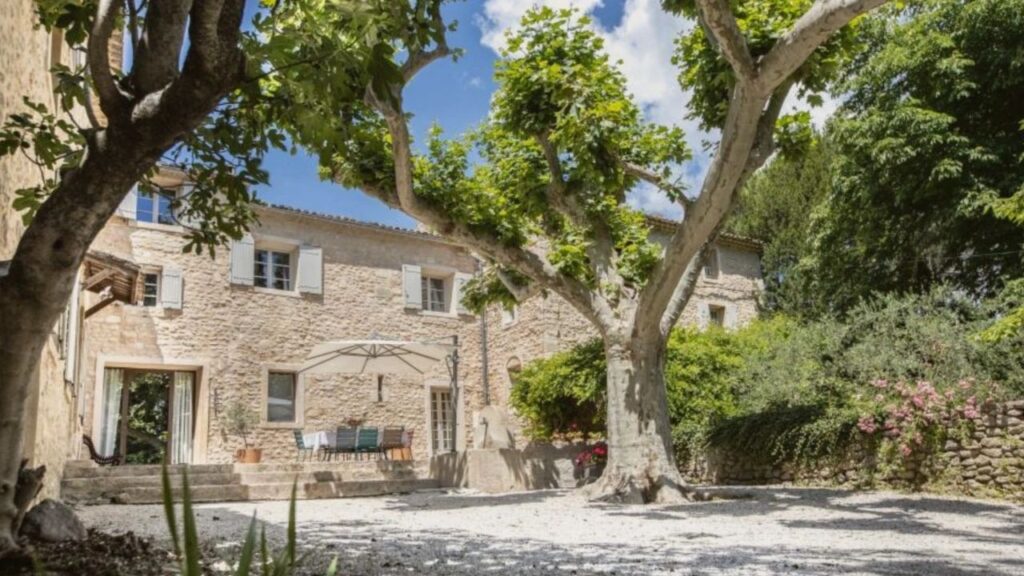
985, 458
24, 64
233, 334
545, 325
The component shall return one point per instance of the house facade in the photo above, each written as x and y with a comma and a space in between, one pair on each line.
235, 327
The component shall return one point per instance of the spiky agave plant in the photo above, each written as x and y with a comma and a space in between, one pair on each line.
186, 549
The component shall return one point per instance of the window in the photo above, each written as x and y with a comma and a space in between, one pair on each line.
440, 420
433, 294
711, 265
272, 269
509, 316
155, 206
150, 289
716, 315
281, 392
380, 387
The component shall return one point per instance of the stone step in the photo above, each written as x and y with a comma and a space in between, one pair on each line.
317, 490
325, 476
122, 482
146, 470
154, 494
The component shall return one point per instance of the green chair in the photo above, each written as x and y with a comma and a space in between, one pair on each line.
367, 441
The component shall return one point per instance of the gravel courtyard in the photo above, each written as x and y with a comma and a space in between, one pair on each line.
770, 531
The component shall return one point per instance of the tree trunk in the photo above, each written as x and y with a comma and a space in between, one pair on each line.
641, 467
37, 287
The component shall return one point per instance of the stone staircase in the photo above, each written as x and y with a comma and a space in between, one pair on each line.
86, 483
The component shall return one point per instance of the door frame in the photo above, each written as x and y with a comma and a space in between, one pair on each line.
201, 368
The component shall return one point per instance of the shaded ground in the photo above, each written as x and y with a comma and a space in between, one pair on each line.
774, 531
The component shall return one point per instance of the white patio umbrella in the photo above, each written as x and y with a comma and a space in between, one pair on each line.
376, 357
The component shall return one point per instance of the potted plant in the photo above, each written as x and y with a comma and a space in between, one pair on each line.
590, 462
239, 420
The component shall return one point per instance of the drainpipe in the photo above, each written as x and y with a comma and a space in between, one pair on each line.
483, 358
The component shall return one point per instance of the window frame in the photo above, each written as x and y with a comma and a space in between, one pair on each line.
713, 311
428, 292
299, 395
154, 210
156, 296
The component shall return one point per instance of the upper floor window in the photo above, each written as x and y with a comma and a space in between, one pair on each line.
155, 206
272, 269
509, 316
433, 294
150, 289
711, 265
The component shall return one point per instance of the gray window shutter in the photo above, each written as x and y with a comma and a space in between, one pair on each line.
703, 314
127, 207
242, 256
71, 334
411, 286
730, 317
457, 289
311, 270
171, 288
179, 212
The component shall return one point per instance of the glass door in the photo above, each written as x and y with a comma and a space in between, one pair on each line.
441, 420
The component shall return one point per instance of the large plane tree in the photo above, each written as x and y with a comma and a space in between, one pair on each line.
560, 150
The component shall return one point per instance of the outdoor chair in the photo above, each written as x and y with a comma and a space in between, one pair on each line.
302, 452
101, 460
368, 441
391, 438
344, 442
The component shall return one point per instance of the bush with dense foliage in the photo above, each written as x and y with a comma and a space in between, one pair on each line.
784, 390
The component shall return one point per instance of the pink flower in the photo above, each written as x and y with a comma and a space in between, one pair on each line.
905, 450
880, 383
879, 398
867, 424
918, 401
971, 412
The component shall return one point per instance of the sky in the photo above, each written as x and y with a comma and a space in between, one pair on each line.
456, 95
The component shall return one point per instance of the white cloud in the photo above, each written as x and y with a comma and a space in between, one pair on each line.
644, 41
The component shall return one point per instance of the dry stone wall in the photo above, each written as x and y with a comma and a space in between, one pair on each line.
985, 457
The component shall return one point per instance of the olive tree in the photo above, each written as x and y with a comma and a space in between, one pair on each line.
561, 148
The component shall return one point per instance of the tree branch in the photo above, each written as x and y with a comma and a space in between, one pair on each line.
652, 177
420, 59
717, 18
112, 102
557, 192
748, 123
159, 50
810, 31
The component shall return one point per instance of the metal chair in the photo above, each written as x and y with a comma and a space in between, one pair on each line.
96, 457
391, 438
368, 441
301, 450
344, 442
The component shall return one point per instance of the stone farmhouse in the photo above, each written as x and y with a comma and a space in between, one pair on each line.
177, 341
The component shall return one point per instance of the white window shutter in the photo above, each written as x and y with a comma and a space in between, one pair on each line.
411, 286
128, 204
311, 270
730, 321
243, 253
457, 290
171, 288
179, 212
71, 334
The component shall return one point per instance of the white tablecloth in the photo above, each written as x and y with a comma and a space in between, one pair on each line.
315, 440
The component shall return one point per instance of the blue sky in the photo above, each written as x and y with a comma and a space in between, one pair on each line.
456, 95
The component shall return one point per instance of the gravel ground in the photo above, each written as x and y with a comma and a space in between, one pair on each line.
770, 531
